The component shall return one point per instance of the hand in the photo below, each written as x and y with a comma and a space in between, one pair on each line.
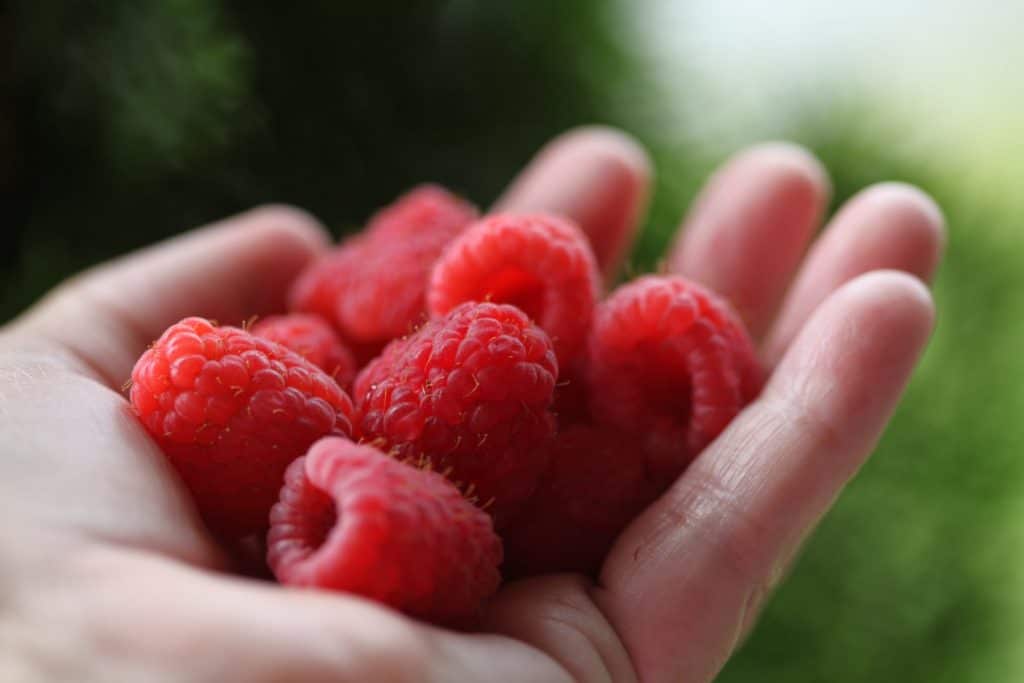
107, 574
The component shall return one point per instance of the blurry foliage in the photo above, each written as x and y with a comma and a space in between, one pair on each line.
136, 119
151, 87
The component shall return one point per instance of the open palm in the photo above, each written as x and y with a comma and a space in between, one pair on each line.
107, 574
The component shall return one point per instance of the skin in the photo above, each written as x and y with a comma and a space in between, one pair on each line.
106, 573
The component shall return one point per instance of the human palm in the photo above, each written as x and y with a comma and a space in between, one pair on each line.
106, 572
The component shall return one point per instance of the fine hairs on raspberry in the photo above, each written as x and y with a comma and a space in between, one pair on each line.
542, 264
668, 366
353, 519
373, 286
498, 394
670, 362
311, 337
230, 411
471, 393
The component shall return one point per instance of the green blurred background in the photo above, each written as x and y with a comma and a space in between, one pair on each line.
125, 121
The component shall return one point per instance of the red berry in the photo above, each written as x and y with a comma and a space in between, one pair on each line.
313, 339
670, 363
231, 411
352, 519
571, 405
471, 393
595, 485
373, 286
319, 287
542, 264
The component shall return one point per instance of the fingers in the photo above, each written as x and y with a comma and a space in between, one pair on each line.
686, 578
599, 177
750, 227
228, 271
890, 225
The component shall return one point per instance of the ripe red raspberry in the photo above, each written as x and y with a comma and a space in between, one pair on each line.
319, 287
373, 286
231, 411
469, 392
313, 339
670, 363
571, 405
595, 485
352, 519
542, 264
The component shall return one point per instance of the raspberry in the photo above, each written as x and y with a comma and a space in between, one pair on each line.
670, 363
352, 519
319, 287
594, 487
231, 411
373, 286
542, 264
571, 405
313, 339
470, 393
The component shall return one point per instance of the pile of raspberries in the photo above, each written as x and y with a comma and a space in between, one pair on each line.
450, 401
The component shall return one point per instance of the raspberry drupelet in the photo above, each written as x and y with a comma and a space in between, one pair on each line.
353, 519
672, 364
311, 337
470, 392
231, 411
542, 264
373, 286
